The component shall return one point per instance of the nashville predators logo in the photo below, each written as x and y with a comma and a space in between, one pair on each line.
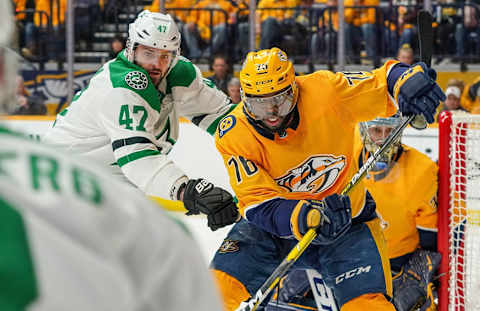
316, 174
228, 246
226, 125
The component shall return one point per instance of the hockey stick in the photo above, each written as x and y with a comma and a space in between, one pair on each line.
425, 35
425, 43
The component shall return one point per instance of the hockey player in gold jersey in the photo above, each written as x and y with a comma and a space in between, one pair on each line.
289, 151
404, 186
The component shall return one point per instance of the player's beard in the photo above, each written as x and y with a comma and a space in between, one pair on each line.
156, 75
281, 125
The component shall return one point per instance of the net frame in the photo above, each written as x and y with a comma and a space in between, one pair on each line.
459, 211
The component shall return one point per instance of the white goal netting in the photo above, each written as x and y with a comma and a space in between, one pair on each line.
464, 213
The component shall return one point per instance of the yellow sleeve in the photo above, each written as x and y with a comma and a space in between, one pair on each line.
362, 96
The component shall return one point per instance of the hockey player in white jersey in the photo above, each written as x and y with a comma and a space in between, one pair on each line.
74, 238
127, 117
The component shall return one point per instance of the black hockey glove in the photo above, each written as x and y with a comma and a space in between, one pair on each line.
332, 217
201, 196
412, 287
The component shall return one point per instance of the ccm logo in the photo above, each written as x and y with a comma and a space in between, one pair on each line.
350, 274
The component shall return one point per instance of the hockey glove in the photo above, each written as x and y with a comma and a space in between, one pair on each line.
201, 196
331, 216
417, 93
413, 287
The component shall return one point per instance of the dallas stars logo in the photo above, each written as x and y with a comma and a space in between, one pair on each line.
136, 80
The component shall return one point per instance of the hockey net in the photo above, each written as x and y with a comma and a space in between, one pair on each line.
459, 211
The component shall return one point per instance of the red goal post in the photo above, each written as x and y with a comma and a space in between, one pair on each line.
459, 211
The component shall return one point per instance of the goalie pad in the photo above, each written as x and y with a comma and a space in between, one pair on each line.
412, 287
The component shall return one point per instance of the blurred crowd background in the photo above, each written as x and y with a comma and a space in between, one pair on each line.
216, 32
305, 29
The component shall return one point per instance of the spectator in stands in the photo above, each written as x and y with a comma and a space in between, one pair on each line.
453, 91
38, 40
407, 20
206, 29
242, 28
471, 97
116, 45
361, 24
325, 38
445, 29
272, 24
233, 87
24, 21
87, 13
468, 32
28, 105
221, 72
405, 54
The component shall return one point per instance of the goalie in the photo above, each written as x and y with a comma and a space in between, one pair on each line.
403, 184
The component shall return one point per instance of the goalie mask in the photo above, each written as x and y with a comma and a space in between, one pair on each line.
159, 33
374, 133
269, 92
8, 60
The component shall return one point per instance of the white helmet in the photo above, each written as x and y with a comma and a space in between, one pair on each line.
8, 60
155, 30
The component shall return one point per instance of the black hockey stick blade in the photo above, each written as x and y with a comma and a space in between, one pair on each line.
425, 43
425, 36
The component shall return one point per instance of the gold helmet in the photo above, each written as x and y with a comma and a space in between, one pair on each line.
8, 61
268, 84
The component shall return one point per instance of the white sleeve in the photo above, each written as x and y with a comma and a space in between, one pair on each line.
170, 264
202, 103
129, 121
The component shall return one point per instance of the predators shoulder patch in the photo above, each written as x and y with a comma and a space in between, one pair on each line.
228, 246
226, 125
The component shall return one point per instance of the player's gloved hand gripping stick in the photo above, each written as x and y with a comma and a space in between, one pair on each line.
311, 234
